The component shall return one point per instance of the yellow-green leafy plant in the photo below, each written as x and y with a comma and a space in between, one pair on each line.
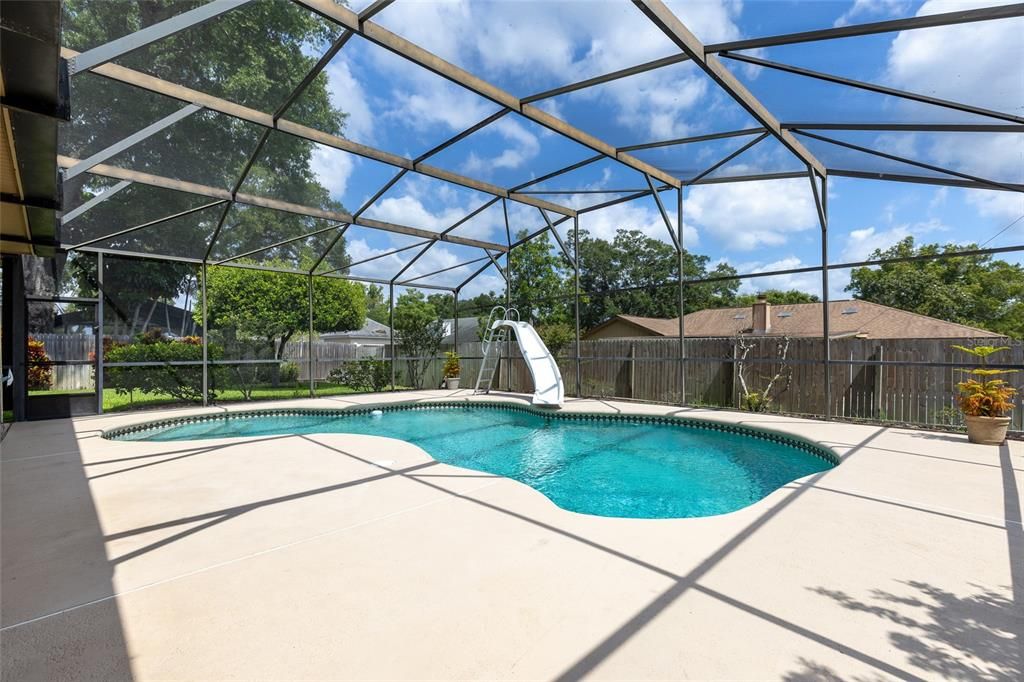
984, 393
451, 365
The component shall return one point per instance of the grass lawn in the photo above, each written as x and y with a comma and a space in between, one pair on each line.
118, 402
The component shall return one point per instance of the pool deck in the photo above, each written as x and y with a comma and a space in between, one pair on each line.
358, 557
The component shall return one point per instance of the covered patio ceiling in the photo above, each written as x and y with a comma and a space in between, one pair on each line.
125, 166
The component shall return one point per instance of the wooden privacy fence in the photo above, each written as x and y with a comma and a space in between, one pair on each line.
863, 383
68, 348
328, 356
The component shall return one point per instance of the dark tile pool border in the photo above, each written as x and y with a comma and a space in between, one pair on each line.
790, 440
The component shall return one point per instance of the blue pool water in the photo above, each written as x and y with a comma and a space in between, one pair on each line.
626, 468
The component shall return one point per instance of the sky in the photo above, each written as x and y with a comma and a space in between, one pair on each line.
530, 47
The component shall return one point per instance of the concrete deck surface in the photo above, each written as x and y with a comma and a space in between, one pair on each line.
357, 557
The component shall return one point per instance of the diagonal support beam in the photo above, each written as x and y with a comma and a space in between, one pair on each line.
275, 204
384, 254
729, 157
906, 24
134, 41
663, 212
449, 268
497, 264
416, 54
151, 223
130, 141
95, 201
871, 87
662, 17
558, 238
911, 162
223, 106
283, 242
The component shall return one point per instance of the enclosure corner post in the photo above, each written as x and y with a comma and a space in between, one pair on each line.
309, 346
206, 345
821, 201
455, 322
99, 334
391, 327
682, 303
576, 287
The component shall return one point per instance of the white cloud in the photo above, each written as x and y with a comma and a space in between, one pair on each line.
969, 63
859, 244
563, 42
966, 62
632, 215
995, 204
347, 94
748, 215
862, 10
524, 147
333, 168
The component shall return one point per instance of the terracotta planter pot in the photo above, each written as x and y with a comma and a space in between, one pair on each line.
453, 382
987, 430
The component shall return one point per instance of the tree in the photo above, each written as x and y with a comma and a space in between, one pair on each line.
265, 309
978, 291
132, 287
255, 56
539, 281
419, 330
376, 305
776, 297
649, 269
443, 304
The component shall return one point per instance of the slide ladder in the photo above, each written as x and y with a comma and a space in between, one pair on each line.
547, 378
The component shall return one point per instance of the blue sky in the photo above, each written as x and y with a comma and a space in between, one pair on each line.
527, 47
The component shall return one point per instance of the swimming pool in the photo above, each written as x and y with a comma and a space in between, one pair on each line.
620, 466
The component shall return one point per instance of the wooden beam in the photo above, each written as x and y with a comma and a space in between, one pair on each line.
662, 17
223, 106
416, 54
143, 178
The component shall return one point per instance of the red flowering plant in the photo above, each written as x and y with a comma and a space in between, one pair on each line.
984, 393
40, 371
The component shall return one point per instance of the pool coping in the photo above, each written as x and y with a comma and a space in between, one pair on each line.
774, 435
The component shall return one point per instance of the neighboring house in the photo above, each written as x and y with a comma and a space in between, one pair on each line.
173, 320
372, 334
468, 331
849, 318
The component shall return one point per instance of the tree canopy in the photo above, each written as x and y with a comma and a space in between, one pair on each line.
648, 269
254, 55
776, 297
419, 331
978, 291
268, 308
540, 281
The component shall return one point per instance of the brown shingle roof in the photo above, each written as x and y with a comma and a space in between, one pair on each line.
846, 318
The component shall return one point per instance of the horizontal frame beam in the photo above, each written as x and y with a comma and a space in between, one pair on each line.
662, 17
901, 159
913, 127
228, 108
275, 204
929, 21
416, 54
871, 87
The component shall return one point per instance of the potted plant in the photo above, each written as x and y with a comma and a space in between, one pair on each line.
985, 399
451, 370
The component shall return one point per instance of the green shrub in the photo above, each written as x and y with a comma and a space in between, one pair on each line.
288, 373
368, 375
184, 382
